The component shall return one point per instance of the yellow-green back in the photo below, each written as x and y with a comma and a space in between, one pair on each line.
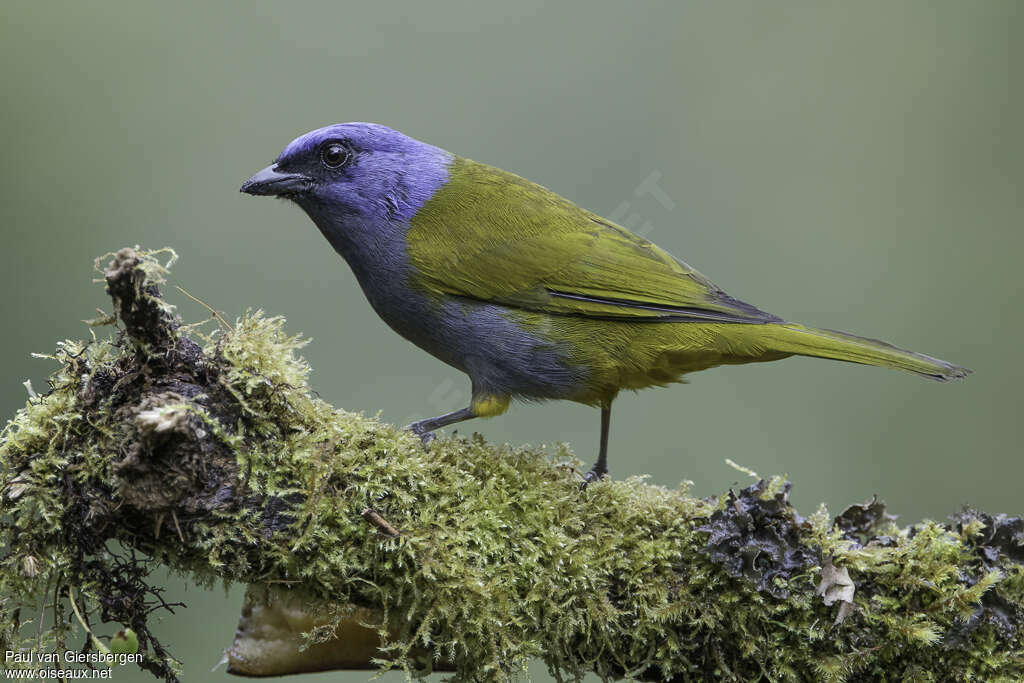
626, 310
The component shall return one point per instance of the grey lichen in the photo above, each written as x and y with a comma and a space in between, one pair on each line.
210, 454
837, 586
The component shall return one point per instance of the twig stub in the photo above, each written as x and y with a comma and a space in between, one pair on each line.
374, 518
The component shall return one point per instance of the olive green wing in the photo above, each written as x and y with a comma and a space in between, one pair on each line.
493, 236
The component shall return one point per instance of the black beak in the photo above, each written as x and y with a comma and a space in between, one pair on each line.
272, 182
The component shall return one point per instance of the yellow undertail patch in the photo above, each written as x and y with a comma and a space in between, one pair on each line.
489, 406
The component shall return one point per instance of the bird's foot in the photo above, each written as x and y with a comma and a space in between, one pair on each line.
425, 435
594, 474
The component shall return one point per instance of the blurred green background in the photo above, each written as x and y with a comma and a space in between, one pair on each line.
847, 165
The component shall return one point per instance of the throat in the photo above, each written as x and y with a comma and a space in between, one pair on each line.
377, 258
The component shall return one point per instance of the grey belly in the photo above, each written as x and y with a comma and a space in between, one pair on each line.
500, 357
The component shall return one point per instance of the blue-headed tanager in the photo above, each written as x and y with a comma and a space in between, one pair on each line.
530, 295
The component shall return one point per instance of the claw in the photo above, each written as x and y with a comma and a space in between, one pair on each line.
425, 436
592, 475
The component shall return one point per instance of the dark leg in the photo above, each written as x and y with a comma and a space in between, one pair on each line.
425, 428
600, 467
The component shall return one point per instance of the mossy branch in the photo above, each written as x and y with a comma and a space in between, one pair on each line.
211, 455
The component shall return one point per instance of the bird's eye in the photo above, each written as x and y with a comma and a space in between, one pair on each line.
335, 154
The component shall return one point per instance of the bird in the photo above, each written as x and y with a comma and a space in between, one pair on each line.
530, 295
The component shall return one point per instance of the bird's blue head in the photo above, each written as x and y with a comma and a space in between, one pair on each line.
357, 181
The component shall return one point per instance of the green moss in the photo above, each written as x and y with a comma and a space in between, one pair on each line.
220, 462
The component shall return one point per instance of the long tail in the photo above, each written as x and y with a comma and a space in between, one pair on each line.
807, 341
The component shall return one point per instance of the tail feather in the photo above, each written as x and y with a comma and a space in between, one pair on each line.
808, 341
